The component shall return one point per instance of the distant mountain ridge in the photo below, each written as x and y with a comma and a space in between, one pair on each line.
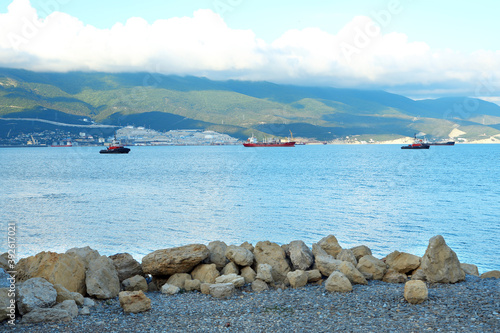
238, 108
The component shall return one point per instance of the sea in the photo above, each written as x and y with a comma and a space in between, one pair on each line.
160, 197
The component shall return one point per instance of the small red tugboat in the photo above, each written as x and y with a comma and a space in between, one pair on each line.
115, 148
418, 144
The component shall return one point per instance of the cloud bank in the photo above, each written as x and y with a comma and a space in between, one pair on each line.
359, 55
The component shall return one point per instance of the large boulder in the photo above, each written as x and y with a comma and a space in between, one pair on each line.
330, 245
347, 255
70, 306
135, 283
239, 255
217, 254
300, 255
393, 276
314, 275
126, 266
206, 273
361, 251
102, 279
222, 290
440, 263
64, 294
170, 289
259, 285
265, 273
134, 301
350, 272
470, 269
297, 278
402, 262
272, 254
372, 268
248, 273
238, 281
247, 246
415, 291
35, 293
65, 269
179, 279
42, 315
491, 274
174, 260
338, 282
191, 285
324, 262
86, 254
230, 268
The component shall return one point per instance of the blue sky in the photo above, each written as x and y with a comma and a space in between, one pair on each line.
419, 48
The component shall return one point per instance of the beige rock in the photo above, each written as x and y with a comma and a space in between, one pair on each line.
135, 283
65, 269
126, 266
35, 293
222, 290
230, 268
239, 255
206, 273
64, 294
372, 268
42, 315
338, 282
350, 272
297, 278
415, 291
491, 274
347, 255
217, 254
86, 254
314, 275
402, 262
7, 307
170, 289
326, 264
191, 285
70, 306
174, 260
300, 255
272, 254
418, 274
238, 281
265, 273
134, 301
259, 285
85, 311
248, 246
470, 269
102, 279
440, 263
361, 251
88, 302
330, 245
249, 274
393, 276
205, 288
179, 279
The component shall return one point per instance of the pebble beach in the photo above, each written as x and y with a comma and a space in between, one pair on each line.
472, 305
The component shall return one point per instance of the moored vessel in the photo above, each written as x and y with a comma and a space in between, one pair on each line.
115, 148
252, 142
417, 144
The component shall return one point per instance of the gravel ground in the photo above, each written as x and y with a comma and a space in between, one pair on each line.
470, 306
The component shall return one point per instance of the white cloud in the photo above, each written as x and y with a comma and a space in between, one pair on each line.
357, 56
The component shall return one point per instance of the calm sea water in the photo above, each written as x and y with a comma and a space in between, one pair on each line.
159, 197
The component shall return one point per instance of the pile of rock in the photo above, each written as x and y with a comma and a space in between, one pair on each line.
54, 285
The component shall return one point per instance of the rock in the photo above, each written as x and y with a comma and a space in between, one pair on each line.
300, 255
265, 273
65, 269
222, 290
440, 263
415, 291
347, 255
491, 274
330, 245
135, 283
470, 269
217, 254
238, 281
372, 268
230, 268
64, 294
272, 254
338, 282
259, 285
102, 279
70, 306
239, 255
248, 246
326, 264
157, 282
7, 305
35, 293
134, 301
191, 285
418, 274
179, 279
350, 272
126, 266
297, 278
393, 276
361, 251
402, 262
314, 276
85, 311
88, 302
86, 254
249, 274
206, 273
170, 289
41, 315
205, 288
174, 260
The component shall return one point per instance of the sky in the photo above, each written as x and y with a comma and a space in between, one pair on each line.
417, 48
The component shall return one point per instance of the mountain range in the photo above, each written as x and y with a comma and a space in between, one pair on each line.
237, 108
